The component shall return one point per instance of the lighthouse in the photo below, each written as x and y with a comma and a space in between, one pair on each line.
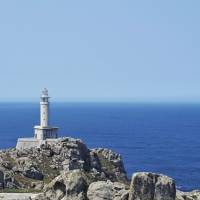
44, 130
43, 133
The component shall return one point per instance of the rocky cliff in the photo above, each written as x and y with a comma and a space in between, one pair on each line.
68, 170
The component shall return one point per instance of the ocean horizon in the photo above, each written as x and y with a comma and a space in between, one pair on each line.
157, 137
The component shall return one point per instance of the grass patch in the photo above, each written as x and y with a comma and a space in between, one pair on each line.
49, 173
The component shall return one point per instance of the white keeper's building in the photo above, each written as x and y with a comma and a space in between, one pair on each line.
43, 133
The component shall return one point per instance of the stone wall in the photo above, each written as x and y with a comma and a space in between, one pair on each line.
27, 143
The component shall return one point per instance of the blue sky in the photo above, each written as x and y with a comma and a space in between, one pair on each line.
100, 50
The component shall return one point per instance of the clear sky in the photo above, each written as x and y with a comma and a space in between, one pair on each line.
108, 50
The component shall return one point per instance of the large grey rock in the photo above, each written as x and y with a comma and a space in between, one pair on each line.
108, 162
151, 186
69, 185
165, 188
106, 190
70, 154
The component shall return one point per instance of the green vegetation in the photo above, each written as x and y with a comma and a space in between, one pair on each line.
47, 170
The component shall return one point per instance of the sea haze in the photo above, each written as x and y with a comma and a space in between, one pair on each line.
163, 138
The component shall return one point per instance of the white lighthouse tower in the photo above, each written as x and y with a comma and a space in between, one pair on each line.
44, 108
44, 134
44, 131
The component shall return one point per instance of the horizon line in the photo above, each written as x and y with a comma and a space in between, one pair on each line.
108, 101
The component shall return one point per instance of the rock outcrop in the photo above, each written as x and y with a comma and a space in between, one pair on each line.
108, 190
68, 170
150, 186
71, 185
109, 163
35, 167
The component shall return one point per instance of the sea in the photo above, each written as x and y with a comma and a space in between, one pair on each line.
156, 137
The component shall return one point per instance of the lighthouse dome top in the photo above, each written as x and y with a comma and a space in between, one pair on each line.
45, 92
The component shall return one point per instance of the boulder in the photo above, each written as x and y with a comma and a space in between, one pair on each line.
109, 162
108, 190
69, 185
151, 186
